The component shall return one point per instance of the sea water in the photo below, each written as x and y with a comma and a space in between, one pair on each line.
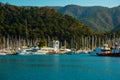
59, 67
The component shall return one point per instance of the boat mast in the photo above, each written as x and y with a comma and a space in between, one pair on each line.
26, 34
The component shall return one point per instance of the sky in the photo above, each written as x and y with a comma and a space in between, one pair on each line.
105, 3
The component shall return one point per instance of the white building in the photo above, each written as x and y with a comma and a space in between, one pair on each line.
56, 45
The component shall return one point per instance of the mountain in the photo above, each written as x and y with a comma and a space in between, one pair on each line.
116, 29
98, 18
40, 23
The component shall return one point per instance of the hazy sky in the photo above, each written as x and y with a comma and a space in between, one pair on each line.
107, 3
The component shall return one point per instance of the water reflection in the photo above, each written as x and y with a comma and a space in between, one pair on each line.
80, 67
56, 63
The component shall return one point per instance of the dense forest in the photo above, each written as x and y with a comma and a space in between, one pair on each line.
40, 22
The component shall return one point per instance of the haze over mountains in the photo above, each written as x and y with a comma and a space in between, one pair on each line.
99, 18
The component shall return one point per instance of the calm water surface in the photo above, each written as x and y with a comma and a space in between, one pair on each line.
59, 67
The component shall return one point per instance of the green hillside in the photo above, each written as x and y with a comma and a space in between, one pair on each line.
39, 23
98, 18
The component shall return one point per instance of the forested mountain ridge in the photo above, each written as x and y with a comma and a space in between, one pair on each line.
41, 23
98, 18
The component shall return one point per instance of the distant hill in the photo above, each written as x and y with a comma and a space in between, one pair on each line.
117, 28
41, 23
98, 18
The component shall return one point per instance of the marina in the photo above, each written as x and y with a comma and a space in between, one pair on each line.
85, 44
